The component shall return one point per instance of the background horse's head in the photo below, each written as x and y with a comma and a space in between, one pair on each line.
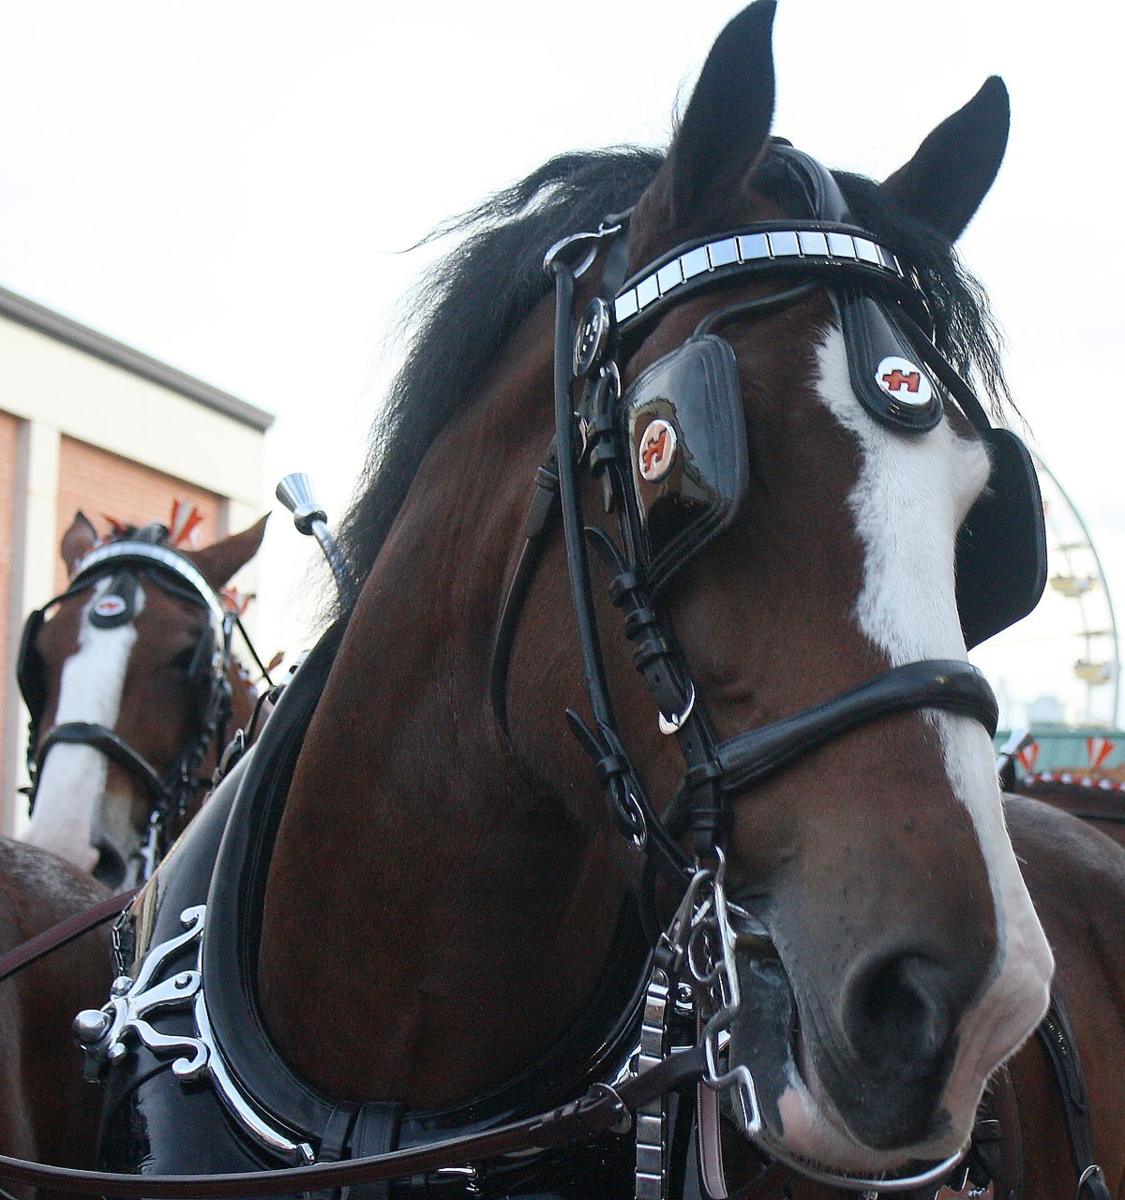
130, 683
802, 542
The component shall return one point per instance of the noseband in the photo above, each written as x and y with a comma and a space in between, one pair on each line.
125, 561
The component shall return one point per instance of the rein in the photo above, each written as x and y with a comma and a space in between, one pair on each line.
603, 1109
63, 933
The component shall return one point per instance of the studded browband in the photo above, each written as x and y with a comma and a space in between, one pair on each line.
819, 245
830, 251
146, 554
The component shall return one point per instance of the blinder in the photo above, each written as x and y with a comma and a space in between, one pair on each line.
31, 670
683, 420
205, 669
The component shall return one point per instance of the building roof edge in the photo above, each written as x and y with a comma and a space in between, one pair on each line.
81, 337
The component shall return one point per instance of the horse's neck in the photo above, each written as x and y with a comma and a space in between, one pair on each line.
427, 932
433, 919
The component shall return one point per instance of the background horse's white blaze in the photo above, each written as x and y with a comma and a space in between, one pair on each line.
73, 778
911, 497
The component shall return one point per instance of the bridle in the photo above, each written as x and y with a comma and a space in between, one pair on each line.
125, 561
883, 314
859, 272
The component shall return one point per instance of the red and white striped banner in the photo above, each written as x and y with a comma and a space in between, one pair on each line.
1098, 749
1029, 756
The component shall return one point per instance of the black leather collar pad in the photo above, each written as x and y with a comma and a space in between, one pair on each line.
695, 391
230, 875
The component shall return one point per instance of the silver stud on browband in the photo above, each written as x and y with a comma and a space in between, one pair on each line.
781, 245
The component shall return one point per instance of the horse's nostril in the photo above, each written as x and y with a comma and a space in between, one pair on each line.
896, 1009
110, 867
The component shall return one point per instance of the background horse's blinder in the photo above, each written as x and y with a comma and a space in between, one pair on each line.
31, 671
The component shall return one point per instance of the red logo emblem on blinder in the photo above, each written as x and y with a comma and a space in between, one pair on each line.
110, 606
905, 382
657, 451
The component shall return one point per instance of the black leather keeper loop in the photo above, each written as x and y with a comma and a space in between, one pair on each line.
622, 585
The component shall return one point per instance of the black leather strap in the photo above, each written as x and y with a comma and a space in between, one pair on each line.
952, 685
598, 1111
1057, 1039
87, 733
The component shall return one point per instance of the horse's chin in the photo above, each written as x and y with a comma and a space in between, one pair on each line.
800, 1123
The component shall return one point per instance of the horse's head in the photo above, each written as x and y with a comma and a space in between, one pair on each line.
129, 680
800, 486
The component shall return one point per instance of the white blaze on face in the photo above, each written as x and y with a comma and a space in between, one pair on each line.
913, 493
73, 778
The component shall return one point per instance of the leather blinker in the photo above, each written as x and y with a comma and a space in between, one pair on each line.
687, 441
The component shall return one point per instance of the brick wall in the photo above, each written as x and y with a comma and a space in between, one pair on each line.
103, 485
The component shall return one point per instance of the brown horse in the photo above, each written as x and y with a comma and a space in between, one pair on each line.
133, 692
1076, 877
477, 905
1100, 802
47, 1110
420, 914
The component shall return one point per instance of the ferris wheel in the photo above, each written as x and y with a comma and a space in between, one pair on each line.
1061, 664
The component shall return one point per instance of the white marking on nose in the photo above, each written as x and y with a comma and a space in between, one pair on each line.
73, 778
913, 493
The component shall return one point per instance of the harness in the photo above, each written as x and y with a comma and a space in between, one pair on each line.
124, 562
671, 457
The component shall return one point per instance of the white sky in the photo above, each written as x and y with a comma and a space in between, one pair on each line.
229, 186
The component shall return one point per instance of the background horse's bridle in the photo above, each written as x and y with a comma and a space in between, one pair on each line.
125, 561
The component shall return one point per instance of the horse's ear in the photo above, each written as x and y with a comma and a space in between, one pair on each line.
944, 183
220, 561
78, 541
727, 122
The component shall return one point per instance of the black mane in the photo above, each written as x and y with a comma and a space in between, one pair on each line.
465, 310
472, 301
